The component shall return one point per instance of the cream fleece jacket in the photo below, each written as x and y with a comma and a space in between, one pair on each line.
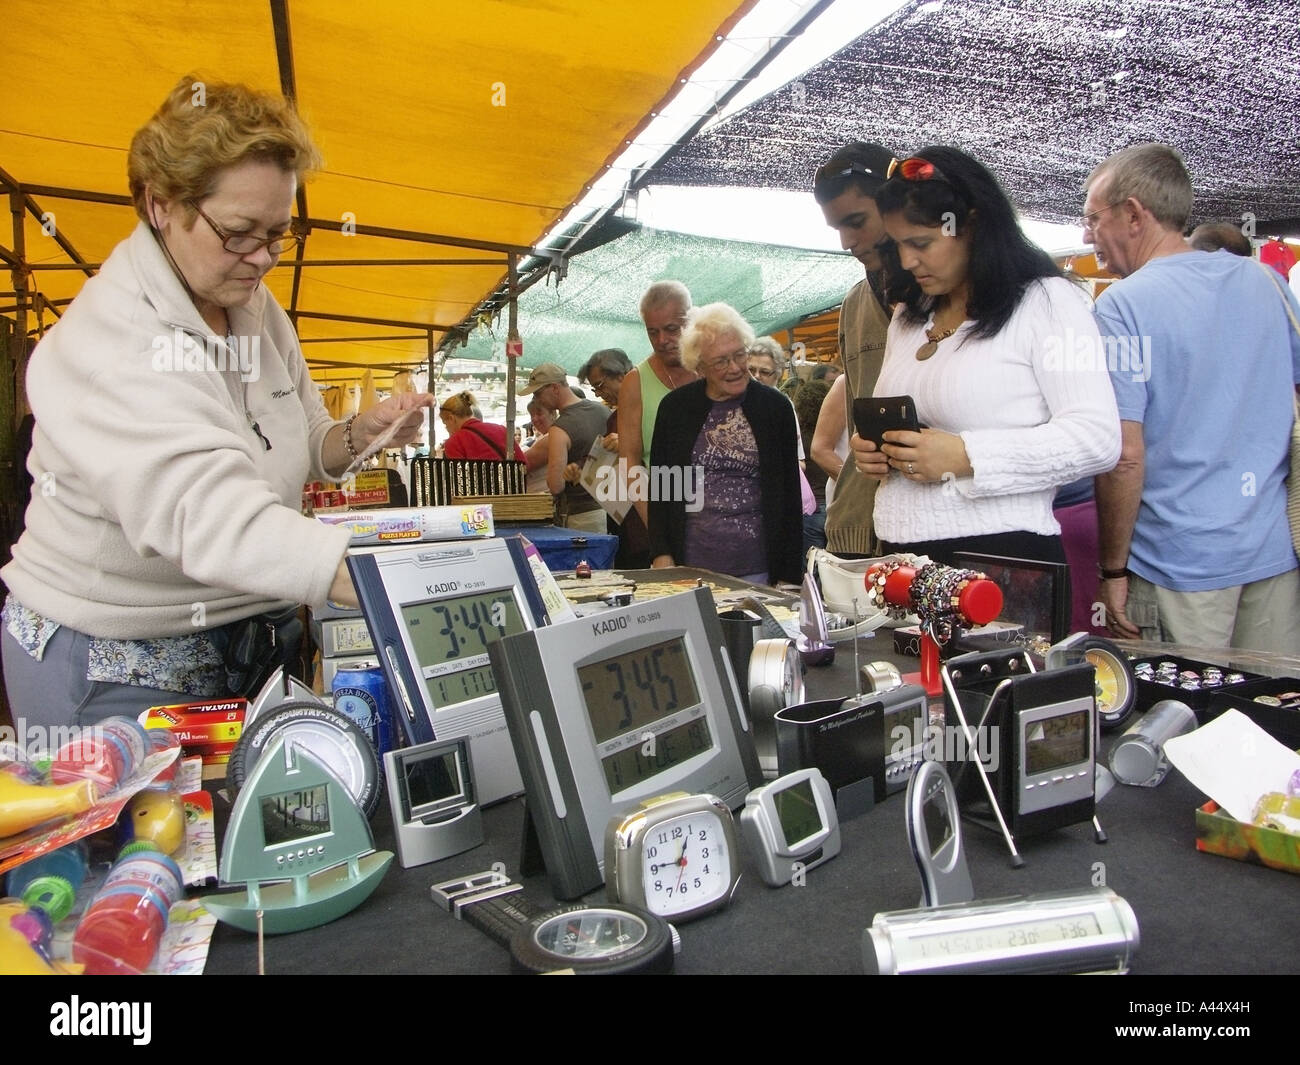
156, 509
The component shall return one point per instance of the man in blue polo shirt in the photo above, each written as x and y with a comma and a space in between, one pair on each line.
1195, 546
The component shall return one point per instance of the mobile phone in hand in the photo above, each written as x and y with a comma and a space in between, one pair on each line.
876, 415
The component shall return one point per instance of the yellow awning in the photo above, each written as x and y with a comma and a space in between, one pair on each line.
473, 121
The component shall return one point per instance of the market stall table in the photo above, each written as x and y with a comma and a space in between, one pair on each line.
1197, 913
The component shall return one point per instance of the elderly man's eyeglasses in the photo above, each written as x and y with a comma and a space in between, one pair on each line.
246, 243
738, 358
604, 385
1085, 221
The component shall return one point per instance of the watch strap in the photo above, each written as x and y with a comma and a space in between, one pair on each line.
489, 901
1113, 574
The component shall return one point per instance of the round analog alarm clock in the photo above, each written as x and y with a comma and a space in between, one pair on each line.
675, 856
1116, 690
775, 677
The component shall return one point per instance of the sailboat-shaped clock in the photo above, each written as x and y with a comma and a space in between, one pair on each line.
298, 843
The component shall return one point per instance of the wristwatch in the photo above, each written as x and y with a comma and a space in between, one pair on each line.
1113, 574
604, 939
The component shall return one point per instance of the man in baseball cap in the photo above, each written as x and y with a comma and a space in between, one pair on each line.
548, 373
578, 422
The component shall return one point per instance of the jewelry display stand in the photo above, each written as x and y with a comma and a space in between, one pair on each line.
944, 598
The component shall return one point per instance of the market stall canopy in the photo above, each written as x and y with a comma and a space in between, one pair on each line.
452, 135
597, 305
1041, 91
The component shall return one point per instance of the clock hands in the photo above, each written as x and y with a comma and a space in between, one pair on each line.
681, 861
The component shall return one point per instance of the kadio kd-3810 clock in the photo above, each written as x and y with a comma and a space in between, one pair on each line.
433, 609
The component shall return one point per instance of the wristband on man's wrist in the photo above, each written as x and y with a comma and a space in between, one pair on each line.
1113, 574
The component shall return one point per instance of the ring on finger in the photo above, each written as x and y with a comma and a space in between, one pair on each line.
911, 469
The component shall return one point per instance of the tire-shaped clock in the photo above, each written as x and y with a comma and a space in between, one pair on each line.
333, 737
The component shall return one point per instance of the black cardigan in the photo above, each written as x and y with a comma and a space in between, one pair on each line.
680, 418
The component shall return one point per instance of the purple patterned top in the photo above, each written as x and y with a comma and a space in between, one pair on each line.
726, 535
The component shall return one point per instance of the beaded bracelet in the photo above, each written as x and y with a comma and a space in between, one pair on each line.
347, 437
936, 593
876, 591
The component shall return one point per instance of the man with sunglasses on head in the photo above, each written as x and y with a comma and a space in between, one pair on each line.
1204, 355
844, 186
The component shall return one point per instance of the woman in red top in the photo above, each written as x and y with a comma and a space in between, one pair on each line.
469, 438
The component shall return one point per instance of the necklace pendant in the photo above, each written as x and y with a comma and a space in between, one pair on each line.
926, 350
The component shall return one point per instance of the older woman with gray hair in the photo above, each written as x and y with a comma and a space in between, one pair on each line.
767, 361
606, 371
724, 453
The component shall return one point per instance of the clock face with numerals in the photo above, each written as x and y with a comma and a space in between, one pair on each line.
686, 864
675, 857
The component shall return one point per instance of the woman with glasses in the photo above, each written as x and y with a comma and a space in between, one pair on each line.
724, 454
175, 426
1003, 360
605, 371
766, 361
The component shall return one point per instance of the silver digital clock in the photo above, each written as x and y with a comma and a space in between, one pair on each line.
616, 708
433, 609
1090, 931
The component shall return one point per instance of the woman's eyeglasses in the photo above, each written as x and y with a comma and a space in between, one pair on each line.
605, 386
739, 358
246, 243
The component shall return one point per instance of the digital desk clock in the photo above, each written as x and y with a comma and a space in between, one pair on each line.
1030, 743
298, 843
433, 609
618, 707
1089, 931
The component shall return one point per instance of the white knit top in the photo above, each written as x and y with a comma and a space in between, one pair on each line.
1033, 405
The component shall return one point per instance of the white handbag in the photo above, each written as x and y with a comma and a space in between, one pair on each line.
843, 587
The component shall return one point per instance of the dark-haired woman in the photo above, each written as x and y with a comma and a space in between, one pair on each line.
1003, 359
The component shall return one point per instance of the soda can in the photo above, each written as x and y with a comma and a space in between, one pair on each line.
361, 693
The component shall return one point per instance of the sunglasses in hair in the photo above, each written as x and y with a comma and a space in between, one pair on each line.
862, 168
914, 168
